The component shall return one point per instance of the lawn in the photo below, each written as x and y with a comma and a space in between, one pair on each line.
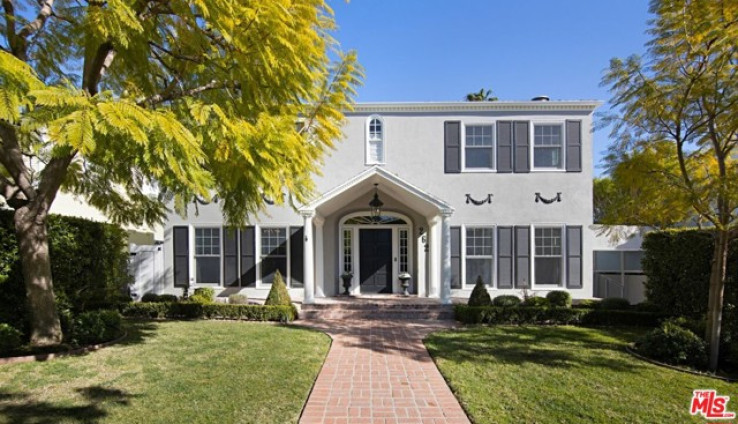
173, 372
562, 375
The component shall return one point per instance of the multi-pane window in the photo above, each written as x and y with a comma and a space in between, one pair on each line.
548, 146
478, 147
479, 255
403, 250
375, 141
273, 254
347, 262
207, 256
548, 259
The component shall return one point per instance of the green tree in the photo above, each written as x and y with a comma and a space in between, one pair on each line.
481, 96
238, 99
684, 93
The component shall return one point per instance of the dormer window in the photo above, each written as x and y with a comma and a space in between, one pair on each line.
375, 140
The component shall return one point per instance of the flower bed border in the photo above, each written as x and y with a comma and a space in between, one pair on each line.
630, 348
42, 357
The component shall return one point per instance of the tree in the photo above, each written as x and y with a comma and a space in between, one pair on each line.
111, 98
684, 94
482, 96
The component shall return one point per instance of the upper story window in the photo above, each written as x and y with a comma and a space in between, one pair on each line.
479, 152
375, 140
548, 146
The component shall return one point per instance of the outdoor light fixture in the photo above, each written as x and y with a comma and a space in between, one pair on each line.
375, 206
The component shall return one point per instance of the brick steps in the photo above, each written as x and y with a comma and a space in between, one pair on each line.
377, 310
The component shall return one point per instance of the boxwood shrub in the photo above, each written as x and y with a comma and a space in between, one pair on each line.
535, 301
94, 327
480, 295
553, 315
191, 310
559, 298
506, 300
675, 345
614, 303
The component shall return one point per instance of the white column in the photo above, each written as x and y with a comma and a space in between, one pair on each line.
319, 276
309, 296
420, 280
445, 258
434, 257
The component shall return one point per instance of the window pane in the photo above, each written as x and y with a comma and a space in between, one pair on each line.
207, 241
207, 270
607, 261
478, 242
547, 157
403, 250
548, 241
269, 267
477, 157
274, 241
347, 266
548, 271
476, 267
633, 261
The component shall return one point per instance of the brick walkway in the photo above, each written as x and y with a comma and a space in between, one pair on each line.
379, 372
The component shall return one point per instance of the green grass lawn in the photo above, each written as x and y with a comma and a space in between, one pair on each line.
562, 375
173, 372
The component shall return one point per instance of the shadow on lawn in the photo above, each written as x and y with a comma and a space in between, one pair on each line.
20, 408
561, 347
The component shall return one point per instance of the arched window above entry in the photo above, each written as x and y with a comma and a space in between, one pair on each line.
383, 220
374, 140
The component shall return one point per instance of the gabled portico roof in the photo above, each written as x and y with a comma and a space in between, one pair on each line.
414, 198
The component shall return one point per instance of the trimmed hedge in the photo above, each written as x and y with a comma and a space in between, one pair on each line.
614, 304
94, 327
506, 300
189, 310
553, 315
559, 298
675, 345
535, 301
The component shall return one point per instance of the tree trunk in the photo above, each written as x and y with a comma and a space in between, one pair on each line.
718, 275
30, 229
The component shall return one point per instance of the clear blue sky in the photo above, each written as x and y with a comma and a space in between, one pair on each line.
432, 50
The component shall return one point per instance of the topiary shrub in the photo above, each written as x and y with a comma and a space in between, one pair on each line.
10, 338
479, 296
150, 297
203, 296
674, 345
614, 304
535, 301
238, 299
94, 327
278, 295
559, 298
506, 300
168, 298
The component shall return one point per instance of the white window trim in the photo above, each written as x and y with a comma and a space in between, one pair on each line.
533, 283
468, 285
383, 140
532, 145
192, 256
493, 169
257, 249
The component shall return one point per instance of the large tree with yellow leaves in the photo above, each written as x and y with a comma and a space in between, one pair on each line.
680, 103
106, 98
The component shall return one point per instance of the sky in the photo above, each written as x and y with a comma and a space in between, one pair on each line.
432, 50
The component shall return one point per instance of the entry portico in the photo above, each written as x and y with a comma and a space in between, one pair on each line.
412, 235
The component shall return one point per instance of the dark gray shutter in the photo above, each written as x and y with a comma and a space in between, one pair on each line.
455, 257
452, 146
181, 242
297, 258
248, 257
230, 257
574, 257
504, 257
504, 146
521, 136
522, 257
574, 146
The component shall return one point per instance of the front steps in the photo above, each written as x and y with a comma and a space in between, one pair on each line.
379, 309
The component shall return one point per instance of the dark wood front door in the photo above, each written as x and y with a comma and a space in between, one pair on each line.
375, 261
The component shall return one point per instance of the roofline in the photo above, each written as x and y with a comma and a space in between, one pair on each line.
464, 106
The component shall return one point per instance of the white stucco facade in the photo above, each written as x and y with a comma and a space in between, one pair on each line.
441, 224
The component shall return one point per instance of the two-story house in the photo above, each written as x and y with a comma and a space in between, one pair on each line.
447, 192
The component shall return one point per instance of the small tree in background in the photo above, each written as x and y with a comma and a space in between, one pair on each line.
481, 96
278, 294
480, 295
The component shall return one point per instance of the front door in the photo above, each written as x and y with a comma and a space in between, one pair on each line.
375, 260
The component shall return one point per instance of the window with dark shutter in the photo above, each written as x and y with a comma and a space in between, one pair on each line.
573, 146
455, 257
505, 257
574, 257
181, 242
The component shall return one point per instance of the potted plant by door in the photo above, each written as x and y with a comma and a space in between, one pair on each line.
346, 277
405, 282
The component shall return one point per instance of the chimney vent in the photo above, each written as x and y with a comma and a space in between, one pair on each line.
540, 99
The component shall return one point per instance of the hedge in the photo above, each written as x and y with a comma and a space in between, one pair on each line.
89, 266
553, 315
187, 310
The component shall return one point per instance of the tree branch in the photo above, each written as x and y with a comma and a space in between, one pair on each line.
11, 158
96, 67
178, 94
32, 27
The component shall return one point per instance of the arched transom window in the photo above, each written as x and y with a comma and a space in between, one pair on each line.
375, 140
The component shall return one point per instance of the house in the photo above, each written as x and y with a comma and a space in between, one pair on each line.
458, 191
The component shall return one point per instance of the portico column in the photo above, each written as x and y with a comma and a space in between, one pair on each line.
319, 279
445, 257
434, 257
309, 296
